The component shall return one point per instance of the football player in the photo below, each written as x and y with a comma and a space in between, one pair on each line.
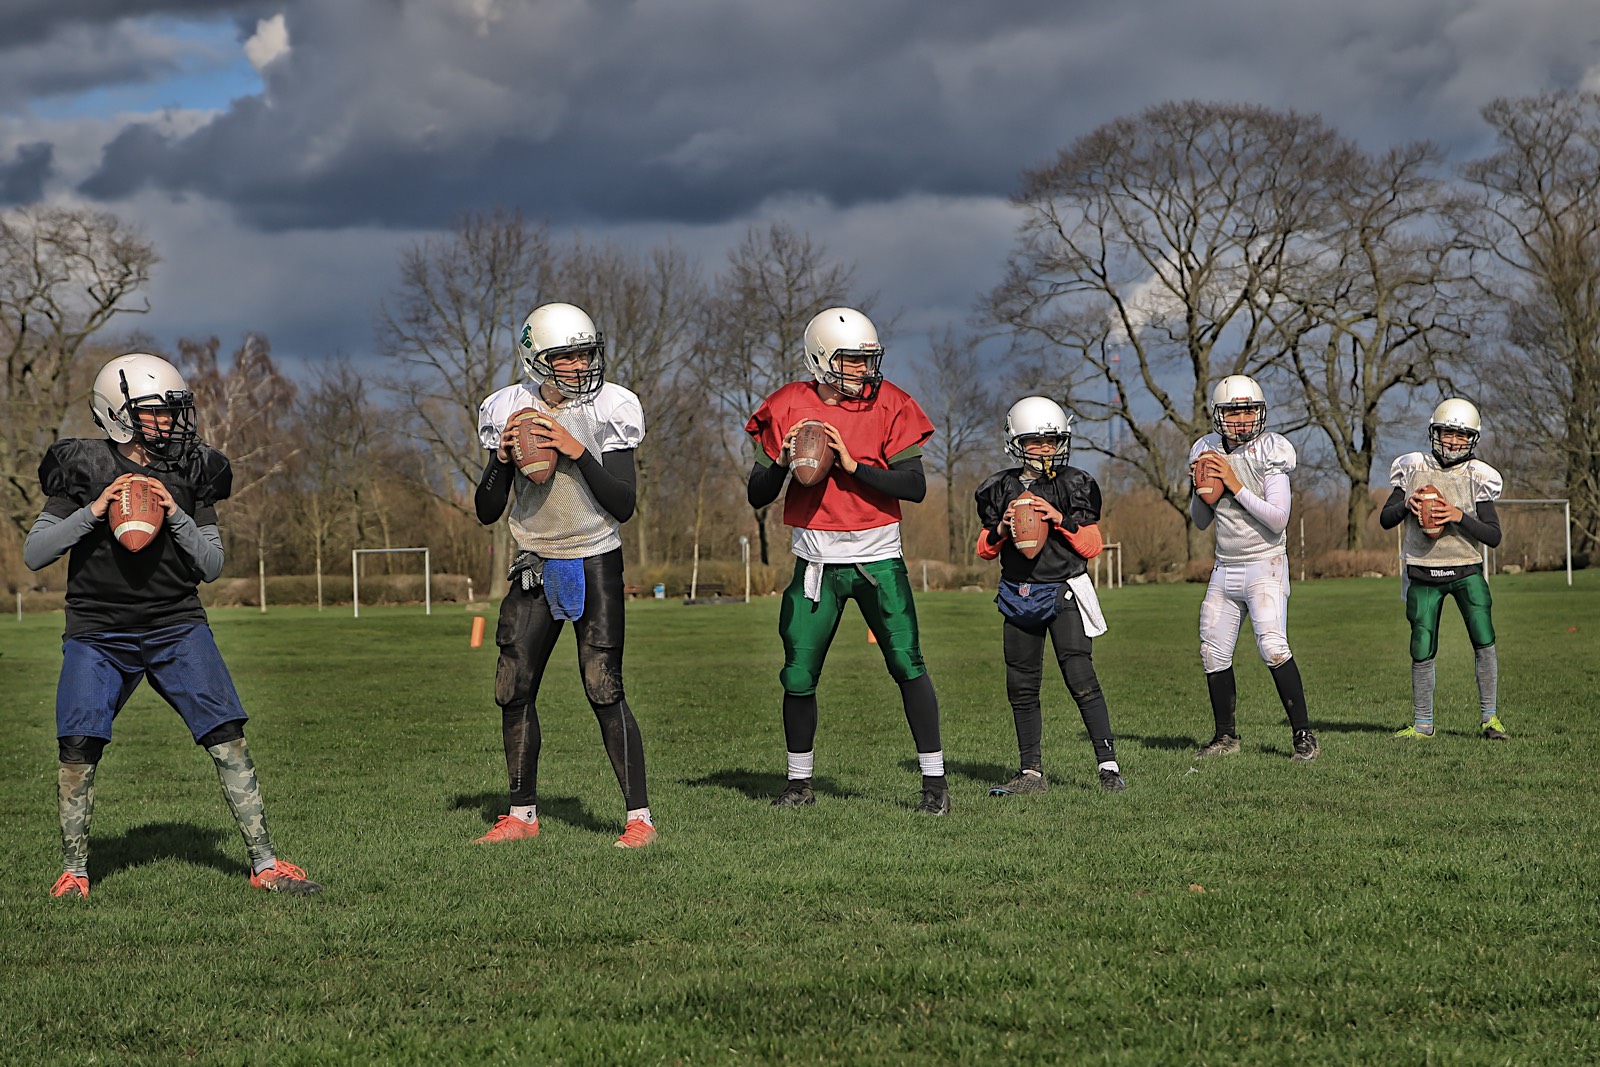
846, 536
132, 615
1051, 593
569, 559
1452, 564
1251, 575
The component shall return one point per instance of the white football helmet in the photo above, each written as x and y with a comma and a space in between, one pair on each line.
1236, 393
147, 383
555, 330
1459, 416
1041, 417
844, 332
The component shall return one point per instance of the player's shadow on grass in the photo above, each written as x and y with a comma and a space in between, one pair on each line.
569, 810
763, 785
1164, 742
163, 840
1333, 727
985, 773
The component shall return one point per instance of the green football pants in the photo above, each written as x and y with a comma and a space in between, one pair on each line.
882, 590
1425, 602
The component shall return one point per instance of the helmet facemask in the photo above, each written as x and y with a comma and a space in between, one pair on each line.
1036, 461
1237, 433
858, 386
143, 416
1450, 455
574, 384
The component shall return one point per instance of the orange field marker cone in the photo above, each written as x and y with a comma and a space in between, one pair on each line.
872, 638
477, 631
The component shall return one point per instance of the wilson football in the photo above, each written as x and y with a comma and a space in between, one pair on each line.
1430, 511
134, 514
813, 453
1208, 486
1029, 530
536, 461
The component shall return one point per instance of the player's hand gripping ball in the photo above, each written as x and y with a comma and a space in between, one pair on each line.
1207, 485
1430, 511
1029, 529
813, 454
134, 514
533, 459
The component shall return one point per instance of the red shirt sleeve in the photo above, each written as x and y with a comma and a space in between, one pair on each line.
909, 426
1087, 542
763, 426
988, 549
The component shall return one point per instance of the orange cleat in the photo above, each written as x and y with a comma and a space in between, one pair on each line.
71, 885
285, 877
508, 828
636, 834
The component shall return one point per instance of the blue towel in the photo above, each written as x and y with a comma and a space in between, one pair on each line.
564, 587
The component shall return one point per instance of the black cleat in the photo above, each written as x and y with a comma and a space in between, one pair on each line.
935, 801
797, 794
1025, 783
1305, 745
1111, 781
1221, 745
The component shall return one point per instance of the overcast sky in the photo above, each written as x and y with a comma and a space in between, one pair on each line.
281, 154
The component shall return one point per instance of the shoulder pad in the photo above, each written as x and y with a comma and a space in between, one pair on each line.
71, 468
213, 476
1487, 481
1209, 443
1278, 451
1404, 465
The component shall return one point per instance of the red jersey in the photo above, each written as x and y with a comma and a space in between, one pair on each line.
875, 433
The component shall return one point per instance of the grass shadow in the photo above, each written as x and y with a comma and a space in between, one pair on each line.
163, 840
763, 785
569, 810
1163, 742
1335, 727
984, 773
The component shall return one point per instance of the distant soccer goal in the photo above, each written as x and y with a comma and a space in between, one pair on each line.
1531, 539
1112, 554
355, 574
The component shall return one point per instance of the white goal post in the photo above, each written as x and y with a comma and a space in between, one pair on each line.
355, 575
1566, 508
1113, 569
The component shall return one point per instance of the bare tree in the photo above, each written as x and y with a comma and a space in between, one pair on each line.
752, 334
1381, 306
648, 307
1149, 257
966, 413
1537, 231
65, 273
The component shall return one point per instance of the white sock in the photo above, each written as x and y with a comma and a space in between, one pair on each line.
801, 764
640, 813
1030, 772
528, 814
932, 763
1110, 765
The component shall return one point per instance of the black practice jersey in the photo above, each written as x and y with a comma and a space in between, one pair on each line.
1072, 492
108, 587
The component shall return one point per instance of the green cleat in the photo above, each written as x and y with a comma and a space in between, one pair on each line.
1411, 733
1494, 729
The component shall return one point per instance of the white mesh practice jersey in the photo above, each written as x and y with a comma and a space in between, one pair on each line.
1241, 537
561, 518
1463, 485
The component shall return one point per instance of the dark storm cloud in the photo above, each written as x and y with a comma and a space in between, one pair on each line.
26, 22
22, 180
407, 112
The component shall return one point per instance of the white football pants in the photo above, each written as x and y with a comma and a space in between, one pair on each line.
1260, 590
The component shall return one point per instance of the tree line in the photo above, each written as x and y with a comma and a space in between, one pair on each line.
1155, 254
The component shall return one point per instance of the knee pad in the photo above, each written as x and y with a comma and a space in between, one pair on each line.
904, 666
1081, 680
798, 680
77, 748
1274, 648
1214, 657
601, 683
228, 731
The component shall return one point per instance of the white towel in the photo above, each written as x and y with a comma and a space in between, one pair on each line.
1094, 623
813, 582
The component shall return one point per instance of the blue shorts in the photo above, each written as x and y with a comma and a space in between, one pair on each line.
100, 671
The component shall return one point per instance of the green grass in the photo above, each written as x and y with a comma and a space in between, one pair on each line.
1390, 903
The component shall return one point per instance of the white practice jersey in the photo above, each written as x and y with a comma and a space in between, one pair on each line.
1241, 536
561, 518
1463, 485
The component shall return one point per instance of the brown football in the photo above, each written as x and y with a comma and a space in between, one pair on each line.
1029, 530
813, 453
1430, 509
135, 516
1209, 487
536, 461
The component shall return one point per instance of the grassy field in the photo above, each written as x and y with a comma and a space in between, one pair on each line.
1389, 903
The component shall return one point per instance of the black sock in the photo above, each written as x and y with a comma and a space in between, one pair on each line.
922, 712
1224, 699
800, 722
1286, 676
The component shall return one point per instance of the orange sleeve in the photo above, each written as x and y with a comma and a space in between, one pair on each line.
1087, 542
987, 549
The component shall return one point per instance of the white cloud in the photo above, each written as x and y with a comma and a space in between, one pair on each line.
269, 42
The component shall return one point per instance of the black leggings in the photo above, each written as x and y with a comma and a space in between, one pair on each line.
1024, 654
527, 635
